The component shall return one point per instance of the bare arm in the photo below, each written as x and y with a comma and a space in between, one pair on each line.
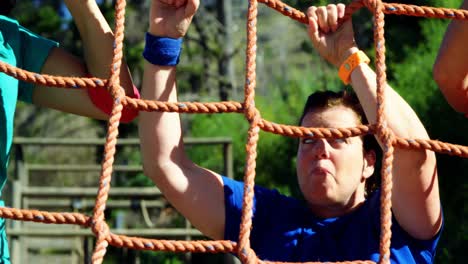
451, 66
98, 42
196, 192
415, 199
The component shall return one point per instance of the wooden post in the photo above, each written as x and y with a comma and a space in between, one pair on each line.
16, 240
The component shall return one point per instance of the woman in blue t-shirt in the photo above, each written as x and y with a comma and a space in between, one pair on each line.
21, 48
338, 221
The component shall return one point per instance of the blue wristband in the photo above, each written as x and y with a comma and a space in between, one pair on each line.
162, 51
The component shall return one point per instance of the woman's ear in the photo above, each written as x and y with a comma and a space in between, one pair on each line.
369, 164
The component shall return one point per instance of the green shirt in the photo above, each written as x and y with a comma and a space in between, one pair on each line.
21, 48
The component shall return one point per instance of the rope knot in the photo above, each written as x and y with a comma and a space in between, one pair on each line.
100, 228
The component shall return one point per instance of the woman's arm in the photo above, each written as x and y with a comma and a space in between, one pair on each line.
415, 199
451, 67
196, 192
98, 49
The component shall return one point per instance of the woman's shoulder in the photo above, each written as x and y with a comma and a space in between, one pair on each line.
8, 22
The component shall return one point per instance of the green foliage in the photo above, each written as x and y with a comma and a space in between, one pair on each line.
43, 19
219, 125
161, 257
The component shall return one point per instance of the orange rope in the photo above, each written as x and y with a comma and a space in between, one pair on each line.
100, 227
245, 252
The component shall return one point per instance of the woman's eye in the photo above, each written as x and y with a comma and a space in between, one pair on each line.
308, 141
338, 141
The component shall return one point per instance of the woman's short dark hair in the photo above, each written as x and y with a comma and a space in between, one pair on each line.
6, 6
322, 100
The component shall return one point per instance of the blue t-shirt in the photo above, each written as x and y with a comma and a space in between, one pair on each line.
21, 48
284, 229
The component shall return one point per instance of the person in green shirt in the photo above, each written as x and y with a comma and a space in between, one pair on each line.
24, 49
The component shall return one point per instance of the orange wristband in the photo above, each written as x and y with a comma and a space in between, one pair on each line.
350, 64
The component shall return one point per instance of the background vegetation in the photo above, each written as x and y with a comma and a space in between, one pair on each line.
288, 69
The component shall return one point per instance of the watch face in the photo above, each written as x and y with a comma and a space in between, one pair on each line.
350, 63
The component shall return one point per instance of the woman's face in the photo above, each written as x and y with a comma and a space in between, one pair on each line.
332, 172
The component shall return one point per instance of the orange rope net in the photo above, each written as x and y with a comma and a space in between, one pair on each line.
246, 254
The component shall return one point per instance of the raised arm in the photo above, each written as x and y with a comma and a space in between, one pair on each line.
98, 41
415, 199
194, 191
451, 66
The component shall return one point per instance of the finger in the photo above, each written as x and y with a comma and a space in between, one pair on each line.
179, 3
166, 2
313, 26
332, 17
192, 6
174, 3
322, 19
341, 8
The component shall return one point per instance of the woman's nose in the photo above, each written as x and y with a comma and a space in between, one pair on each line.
322, 149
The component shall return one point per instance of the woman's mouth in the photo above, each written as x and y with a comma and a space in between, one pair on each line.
320, 171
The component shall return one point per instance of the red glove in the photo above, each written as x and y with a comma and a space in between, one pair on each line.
102, 99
